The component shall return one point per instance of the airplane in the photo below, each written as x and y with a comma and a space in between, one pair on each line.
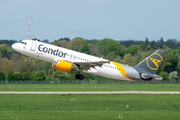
65, 59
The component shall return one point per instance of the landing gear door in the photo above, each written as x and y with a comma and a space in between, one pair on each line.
33, 47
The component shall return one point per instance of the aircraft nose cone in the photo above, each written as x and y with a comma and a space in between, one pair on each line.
14, 46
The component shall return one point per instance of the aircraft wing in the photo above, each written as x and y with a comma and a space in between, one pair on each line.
88, 65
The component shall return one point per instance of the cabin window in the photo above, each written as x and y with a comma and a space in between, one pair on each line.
74, 57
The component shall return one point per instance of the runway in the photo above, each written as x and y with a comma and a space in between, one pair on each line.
89, 92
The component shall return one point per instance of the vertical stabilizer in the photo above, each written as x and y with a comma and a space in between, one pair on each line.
152, 63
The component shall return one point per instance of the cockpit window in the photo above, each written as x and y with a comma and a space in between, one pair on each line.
24, 43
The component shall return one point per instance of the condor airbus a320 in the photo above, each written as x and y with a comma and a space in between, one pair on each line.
65, 59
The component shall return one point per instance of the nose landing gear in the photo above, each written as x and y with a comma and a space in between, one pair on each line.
28, 63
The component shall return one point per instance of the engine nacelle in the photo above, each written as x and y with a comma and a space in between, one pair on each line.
63, 65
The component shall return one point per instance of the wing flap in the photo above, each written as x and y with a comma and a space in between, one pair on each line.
88, 65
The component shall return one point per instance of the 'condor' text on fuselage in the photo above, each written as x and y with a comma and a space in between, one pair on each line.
57, 52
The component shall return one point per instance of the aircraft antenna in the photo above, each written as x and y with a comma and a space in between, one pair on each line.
29, 19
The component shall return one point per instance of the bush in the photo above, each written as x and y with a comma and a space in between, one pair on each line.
14, 75
164, 75
173, 75
2, 76
60, 75
26, 76
39, 75
18, 75
11, 75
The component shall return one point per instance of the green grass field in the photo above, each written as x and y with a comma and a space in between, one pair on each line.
89, 107
89, 87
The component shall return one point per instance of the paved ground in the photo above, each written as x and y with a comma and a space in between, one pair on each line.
89, 92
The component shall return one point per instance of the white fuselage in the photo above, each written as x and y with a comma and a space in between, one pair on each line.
51, 53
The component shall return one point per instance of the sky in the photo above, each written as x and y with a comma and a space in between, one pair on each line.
90, 19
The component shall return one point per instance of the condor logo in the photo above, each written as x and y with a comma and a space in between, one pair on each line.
51, 51
154, 61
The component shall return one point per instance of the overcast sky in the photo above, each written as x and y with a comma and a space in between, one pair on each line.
91, 19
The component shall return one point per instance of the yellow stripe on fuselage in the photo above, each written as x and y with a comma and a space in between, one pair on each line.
121, 69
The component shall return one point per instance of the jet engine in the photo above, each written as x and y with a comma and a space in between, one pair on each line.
63, 65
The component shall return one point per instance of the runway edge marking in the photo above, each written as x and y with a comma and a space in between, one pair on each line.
89, 92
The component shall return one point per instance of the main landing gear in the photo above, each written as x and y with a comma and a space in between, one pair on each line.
79, 76
28, 63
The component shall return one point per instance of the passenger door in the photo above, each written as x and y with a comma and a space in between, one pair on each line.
33, 47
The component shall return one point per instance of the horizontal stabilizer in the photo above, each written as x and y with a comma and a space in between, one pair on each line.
151, 76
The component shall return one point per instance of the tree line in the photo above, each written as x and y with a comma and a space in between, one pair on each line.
130, 52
